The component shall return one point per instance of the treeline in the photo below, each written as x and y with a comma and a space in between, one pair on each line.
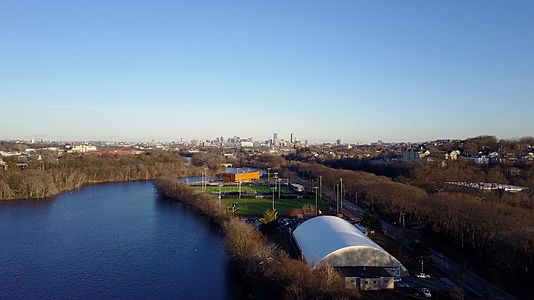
499, 232
42, 180
268, 271
210, 160
435, 171
393, 169
264, 160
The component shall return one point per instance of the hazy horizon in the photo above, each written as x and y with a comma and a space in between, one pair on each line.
358, 71
255, 138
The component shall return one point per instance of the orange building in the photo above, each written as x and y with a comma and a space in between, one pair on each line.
241, 177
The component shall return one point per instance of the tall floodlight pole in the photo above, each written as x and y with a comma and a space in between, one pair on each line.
220, 194
273, 197
239, 187
316, 207
279, 188
205, 182
337, 199
268, 179
202, 181
341, 193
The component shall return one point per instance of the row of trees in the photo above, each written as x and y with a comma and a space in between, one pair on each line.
496, 230
42, 180
207, 159
267, 269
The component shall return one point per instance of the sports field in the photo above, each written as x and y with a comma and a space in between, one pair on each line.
256, 207
259, 189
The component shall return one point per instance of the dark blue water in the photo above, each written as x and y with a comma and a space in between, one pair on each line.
106, 242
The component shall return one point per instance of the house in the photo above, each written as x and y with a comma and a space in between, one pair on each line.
453, 155
410, 154
414, 154
480, 160
494, 158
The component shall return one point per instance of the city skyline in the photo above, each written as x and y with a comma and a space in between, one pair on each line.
354, 71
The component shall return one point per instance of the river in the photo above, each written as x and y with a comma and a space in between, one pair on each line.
110, 241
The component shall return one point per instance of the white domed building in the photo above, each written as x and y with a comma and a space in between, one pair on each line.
329, 240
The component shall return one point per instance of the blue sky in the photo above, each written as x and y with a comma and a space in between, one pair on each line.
355, 70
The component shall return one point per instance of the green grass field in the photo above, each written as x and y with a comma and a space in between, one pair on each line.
260, 189
256, 207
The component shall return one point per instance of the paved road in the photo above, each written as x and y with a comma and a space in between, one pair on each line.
471, 281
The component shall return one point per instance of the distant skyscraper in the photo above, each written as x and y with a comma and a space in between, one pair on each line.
275, 138
338, 142
291, 138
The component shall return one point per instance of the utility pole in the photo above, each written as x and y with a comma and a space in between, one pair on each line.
316, 207
422, 264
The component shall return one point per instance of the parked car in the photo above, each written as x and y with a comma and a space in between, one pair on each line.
426, 293
422, 275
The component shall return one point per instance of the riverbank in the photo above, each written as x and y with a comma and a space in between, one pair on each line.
263, 267
73, 172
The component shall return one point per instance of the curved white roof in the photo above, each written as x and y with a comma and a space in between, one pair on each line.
336, 242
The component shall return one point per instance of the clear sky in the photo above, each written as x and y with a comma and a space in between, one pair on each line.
355, 70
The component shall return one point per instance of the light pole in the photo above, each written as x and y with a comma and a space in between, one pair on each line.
268, 179
239, 188
205, 182
422, 265
273, 197
316, 207
220, 185
279, 187
401, 218
337, 199
341, 193
275, 179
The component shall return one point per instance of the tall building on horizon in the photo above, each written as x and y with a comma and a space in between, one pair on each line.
275, 139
